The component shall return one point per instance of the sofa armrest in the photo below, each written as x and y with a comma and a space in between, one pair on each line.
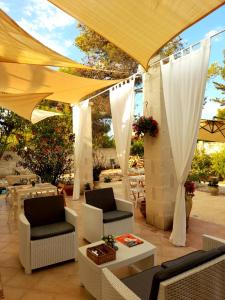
71, 216
210, 242
124, 205
113, 288
24, 243
92, 219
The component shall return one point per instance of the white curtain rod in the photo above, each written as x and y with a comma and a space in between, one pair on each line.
139, 74
190, 46
106, 90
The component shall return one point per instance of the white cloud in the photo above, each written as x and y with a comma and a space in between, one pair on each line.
46, 16
51, 40
4, 6
46, 23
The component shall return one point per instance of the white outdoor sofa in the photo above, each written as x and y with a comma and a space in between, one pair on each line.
102, 214
202, 278
50, 235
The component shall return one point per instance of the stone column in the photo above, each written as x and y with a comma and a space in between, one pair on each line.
160, 176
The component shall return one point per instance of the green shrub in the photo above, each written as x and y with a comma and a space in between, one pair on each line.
137, 147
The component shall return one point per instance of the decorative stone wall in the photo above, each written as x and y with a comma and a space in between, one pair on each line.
160, 177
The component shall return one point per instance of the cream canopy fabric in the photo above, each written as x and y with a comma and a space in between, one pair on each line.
19, 78
40, 114
22, 104
18, 46
140, 28
212, 131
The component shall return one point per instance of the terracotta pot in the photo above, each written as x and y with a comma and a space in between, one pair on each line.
188, 205
143, 208
68, 189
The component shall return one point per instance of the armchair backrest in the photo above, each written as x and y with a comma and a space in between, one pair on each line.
102, 198
44, 210
182, 265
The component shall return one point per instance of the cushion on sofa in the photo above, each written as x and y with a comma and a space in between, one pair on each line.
116, 215
177, 261
102, 198
44, 210
141, 283
222, 249
50, 230
185, 265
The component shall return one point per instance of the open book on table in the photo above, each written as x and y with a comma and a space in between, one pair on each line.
129, 240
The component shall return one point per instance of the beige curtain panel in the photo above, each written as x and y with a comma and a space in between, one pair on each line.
19, 47
22, 104
140, 28
19, 78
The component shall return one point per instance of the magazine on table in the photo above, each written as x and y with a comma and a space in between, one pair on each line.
129, 240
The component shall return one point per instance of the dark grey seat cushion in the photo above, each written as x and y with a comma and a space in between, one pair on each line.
186, 264
141, 283
102, 198
50, 230
222, 249
182, 259
44, 210
116, 215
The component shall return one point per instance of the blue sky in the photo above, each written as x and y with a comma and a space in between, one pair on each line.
57, 30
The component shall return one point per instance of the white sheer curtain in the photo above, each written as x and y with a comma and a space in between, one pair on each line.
122, 108
83, 146
184, 81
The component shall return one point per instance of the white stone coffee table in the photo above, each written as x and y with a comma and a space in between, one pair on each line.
140, 257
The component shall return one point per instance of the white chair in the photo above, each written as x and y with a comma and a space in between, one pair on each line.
103, 215
47, 232
137, 190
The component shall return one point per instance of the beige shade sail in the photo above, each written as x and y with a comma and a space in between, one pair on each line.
22, 104
212, 131
140, 28
18, 46
40, 114
19, 78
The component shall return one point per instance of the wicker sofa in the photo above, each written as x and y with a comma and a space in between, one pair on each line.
199, 275
47, 232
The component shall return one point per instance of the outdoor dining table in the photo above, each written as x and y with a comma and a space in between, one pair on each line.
21, 192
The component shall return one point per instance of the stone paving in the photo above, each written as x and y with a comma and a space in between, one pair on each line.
62, 282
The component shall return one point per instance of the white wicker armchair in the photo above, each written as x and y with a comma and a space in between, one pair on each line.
204, 282
100, 219
47, 245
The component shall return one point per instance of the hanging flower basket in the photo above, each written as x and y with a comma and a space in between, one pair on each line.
146, 125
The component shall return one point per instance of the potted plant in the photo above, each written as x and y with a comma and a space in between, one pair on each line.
66, 185
107, 179
87, 186
189, 194
98, 164
213, 185
110, 241
145, 125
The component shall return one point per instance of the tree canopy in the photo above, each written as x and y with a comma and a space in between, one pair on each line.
217, 71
